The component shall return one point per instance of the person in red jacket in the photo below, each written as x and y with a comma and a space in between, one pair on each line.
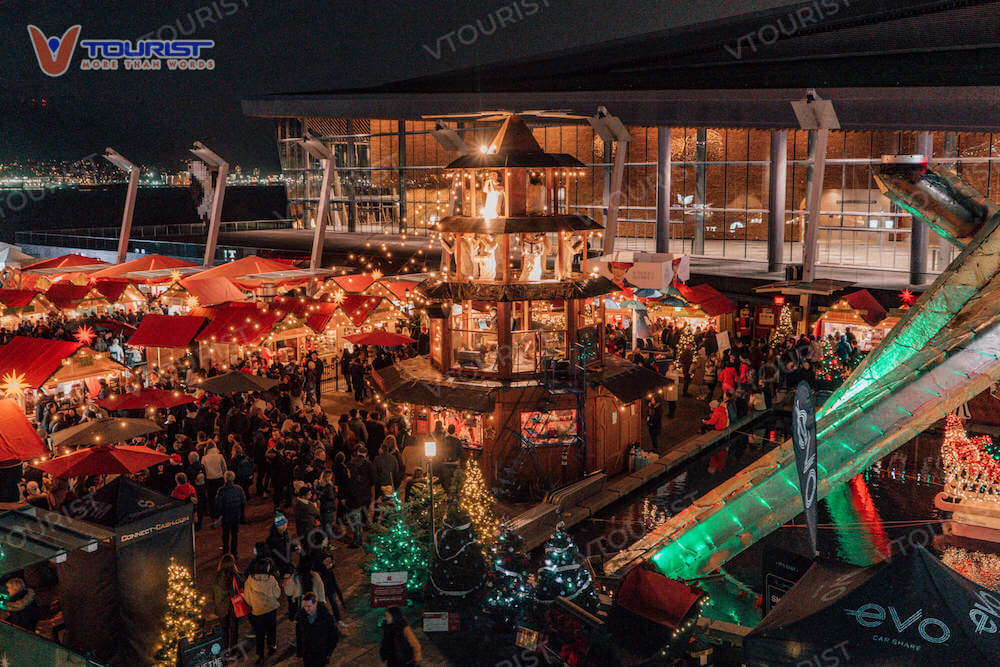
718, 420
727, 378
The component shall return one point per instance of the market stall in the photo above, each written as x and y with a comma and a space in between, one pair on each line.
75, 300
66, 371
23, 305
19, 442
185, 293
121, 294
857, 311
166, 338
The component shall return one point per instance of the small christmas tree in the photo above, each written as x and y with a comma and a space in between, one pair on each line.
784, 330
477, 502
418, 506
458, 568
395, 546
562, 572
183, 615
509, 597
684, 343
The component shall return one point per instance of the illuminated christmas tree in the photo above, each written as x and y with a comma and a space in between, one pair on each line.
684, 343
509, 597
477, 502
784, 330
396, 546
562, 573
183, 616
458, 568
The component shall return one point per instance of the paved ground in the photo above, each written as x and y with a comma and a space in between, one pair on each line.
361, 633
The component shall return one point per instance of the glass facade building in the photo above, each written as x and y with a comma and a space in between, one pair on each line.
390, 179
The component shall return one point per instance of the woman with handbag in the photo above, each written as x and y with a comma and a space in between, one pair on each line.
263, 594
227, 599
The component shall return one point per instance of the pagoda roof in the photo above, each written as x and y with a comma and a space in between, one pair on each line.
580, 288
514, 146
520, 224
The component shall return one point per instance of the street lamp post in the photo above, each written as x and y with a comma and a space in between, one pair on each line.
430, 450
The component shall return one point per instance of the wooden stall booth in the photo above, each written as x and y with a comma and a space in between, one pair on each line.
857, 311
78, 300
166, 338
23, 305
66, 371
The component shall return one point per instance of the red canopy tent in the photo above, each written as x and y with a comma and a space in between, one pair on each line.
146, 398
355, 283
238, 324
212, 290
18, 439
37, 359
152, 262
63, 261
103, 460
249, 266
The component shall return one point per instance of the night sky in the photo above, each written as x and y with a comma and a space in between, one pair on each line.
291, 46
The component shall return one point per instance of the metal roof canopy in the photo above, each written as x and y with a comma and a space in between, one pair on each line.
30, 535
885, 64
291, 274
54, 271
823, 286
155, 274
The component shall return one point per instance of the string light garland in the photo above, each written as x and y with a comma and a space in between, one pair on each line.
459, 568
476, 501
509, 594
183, 616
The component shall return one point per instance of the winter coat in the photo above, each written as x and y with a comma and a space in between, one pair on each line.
306, 516
387, 472
262, 593
399, 646
315, 639
293, 586
229, 503
223, 592
719, 418
327, 496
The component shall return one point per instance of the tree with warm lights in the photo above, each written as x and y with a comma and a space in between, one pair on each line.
785, 328
509, 595
684, 344
183, 616
563, 574
476, 501
418, 506
395, 546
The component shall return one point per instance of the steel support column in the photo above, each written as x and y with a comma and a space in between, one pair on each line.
918, 230
401, 174
777, 177
663, 189
700, 173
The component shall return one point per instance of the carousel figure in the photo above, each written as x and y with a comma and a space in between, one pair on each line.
534, 249
494, 197
486, 257
576, 244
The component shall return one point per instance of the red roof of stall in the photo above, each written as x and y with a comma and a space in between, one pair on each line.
647, 593
17, 298
358, 282
152, 262
710, 300
238, 323
402, 289
316, 314
18, 439
67, 295
37, 358
69, 260
157, 330
112, 288
871, 311
359, 306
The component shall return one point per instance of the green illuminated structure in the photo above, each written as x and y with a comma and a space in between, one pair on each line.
943, 352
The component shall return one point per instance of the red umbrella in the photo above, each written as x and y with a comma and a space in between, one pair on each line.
383, 338
102, 460
147, 398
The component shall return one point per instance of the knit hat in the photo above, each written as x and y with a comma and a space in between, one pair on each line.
279, 519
